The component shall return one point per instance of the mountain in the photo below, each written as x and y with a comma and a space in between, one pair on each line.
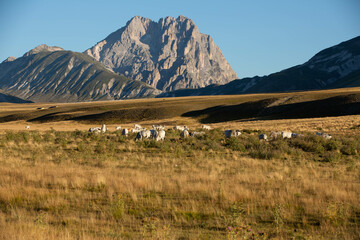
334, 67
51, 74
169, 54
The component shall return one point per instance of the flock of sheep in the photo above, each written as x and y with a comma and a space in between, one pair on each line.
157, 133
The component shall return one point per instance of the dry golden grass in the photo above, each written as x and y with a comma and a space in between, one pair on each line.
75, 185
338, 125
59, 183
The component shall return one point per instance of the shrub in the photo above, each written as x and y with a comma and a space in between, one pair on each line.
61, 141
150, 144
348, 150
309, 144
235, 144
100, 148
282, 145
331, 157
120, 138
17, 137
198, 216
81, 147
213, 145
332, 145
10, 136
166, 146
36, 136
265, 151
117, 209
350, 146
251, 142
78, 134
48, 137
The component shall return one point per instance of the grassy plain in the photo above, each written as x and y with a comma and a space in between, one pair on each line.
57, 181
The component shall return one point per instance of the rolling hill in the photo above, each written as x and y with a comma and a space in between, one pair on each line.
204, 109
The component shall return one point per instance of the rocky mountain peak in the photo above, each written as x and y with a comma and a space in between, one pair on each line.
168, 54
9, 59
137, 20
41, 48
182, 18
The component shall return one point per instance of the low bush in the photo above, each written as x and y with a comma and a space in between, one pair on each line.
265, 151
333, 145
331, 157
235, 144
149, 144
309, 144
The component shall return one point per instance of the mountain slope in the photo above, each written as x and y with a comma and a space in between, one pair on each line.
53, 75
334, 67
169, 54
11, 99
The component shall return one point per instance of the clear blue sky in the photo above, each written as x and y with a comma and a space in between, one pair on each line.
257, 37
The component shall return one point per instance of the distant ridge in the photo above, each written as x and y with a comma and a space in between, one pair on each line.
334, 67
50, 74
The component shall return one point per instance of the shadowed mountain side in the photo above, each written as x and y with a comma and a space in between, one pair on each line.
12, 99
264, 109
351, 80
334, 67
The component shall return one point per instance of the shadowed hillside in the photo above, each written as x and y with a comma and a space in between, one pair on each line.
206, 109
268, 109
11, 99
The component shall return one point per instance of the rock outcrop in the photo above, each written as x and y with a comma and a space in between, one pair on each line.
9, 59
42, 48
169, 54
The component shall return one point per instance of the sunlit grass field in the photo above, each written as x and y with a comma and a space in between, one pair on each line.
58, 181
79, 185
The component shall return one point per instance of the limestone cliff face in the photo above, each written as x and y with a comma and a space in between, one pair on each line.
169, 54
